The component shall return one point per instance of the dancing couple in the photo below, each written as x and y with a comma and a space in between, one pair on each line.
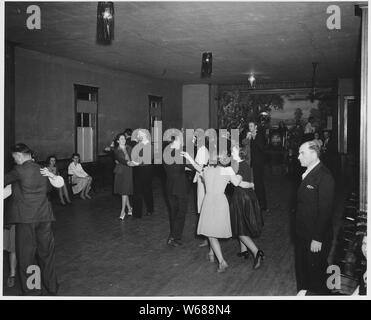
218, 219
132, 178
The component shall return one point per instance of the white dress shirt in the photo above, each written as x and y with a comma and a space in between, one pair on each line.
310, 168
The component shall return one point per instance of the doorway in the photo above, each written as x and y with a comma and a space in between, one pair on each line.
86, 122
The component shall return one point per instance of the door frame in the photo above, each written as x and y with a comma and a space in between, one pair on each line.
89, 89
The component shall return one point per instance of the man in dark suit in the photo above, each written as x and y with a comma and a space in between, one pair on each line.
142, 176
177, 188
314, 230
258, 161
31, 212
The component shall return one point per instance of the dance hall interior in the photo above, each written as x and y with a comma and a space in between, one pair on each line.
92, 88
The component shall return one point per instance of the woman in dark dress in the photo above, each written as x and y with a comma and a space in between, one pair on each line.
246, 218
52, 167
123, 183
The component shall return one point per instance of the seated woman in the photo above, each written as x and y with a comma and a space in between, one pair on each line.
80, 179
52, 167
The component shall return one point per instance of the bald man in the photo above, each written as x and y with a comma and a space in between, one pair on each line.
313, 221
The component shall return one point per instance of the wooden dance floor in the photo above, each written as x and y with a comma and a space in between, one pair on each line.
97, 255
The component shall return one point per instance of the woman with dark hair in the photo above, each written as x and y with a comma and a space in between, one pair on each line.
214, 219
51, 163
80, 179
123, 183
246, 217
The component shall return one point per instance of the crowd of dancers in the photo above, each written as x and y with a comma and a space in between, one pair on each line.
231, 200
241, 216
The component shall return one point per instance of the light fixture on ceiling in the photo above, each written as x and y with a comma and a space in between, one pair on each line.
252, 80
207, 65
105, 22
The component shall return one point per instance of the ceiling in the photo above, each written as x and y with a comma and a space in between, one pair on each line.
276, 41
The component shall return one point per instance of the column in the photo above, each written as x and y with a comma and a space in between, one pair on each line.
363, 121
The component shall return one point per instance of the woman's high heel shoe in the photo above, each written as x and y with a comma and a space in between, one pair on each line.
258, 259
122, 216
244, 254
222, 266
211, 257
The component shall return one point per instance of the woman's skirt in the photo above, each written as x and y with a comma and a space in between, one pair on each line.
214, 218
246, 216
123, 183
78, 184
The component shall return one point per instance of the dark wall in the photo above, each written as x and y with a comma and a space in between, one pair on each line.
45, 101
196, 106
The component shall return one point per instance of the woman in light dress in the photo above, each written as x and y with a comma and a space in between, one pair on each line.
214, 222
81, 181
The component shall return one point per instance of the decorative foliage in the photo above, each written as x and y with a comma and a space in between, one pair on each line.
236, 109
323, 110
232, 111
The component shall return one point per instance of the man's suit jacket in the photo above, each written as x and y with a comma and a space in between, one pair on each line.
176, 179
29, 202
258, 149
315, 205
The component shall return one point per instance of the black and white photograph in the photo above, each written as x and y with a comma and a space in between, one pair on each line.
184, 150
